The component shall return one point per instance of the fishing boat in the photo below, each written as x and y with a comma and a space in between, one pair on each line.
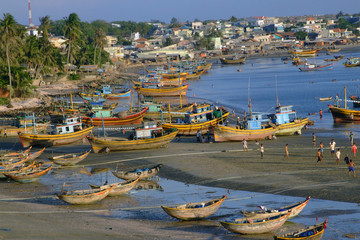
30, 175
325, 99
122, 118
233, 60
140, 138
65, 130
192, 211
255, 225
314, 67
352, 62
88, 196
12, 162
117, 188
35, 155
69, 159
293, 209
304, 52
314, 232
157, 111
19, 154
200, 119
23, 123
16, 169
138, 173
344, 114
356, 101
252, 128
162, 91
333, 50
106, 92
195, 74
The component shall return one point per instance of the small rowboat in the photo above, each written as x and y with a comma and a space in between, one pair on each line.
256, 225
33, 156
294, 210
192, 211
69, 159
138, 173
325, 99
117, 188
11, 163
314, 232
84, 196
16, 154
20, 168
30, 175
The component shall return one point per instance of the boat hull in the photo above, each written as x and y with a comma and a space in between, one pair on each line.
28, 177
289, 129
64, 161
52, 140
319, 68
163, 92
112, 121
81, 197
316, 230
118, 188
226, 133
115, 144
13, 131
233, 61
131, 175
344, 115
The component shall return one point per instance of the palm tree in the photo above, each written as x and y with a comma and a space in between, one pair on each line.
7, 32
44, 28
73, 33
100, 42
47, 50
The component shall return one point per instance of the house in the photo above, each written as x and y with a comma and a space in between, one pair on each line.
184, 31
196, 25
140, 42
156, 42
116, 52
257, 21
58, 41
111, 40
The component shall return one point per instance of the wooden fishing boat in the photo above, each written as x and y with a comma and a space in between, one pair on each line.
17, 169
325, 99
117, 95
200, 119
11, 163
84, 196
138, 173
206, 67
148, 185
314, 232
195, 74
158, 111
233, 60
124, 118
352, 62
333, 50
117, 188
65, 131
144, 138
168, 82
255, 225
30, 175
12, 131
293, 209
69, 159
313, 67
163, 91
35, 155
19, 154
191, 211
356, 101
344, 114
304, 53
234, 133
287, 129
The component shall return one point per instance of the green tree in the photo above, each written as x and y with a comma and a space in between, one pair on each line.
168, 42
73, 34
8, 33
339, 15
233, 19
301, 35
47, 51
100, 42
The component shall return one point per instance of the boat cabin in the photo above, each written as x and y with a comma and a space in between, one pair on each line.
106, 89
254, 122
149, 130
283, 114
63, 124
200, 113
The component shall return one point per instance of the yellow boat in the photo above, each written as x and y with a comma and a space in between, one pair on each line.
201, 119
205, 67
163, 91
12, 131
195, 74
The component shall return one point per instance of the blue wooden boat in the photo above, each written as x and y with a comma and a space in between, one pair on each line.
313, 67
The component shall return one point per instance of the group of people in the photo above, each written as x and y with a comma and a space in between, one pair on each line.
320, 153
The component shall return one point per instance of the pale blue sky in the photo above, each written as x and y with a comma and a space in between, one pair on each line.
145, 10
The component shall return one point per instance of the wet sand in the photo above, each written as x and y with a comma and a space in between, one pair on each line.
223, 165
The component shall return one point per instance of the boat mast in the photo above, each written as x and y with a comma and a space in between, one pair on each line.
345, 96
276, 89
250, 109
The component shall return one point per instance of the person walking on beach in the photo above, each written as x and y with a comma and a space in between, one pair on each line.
262, 150
318, 156
5, 134
338, 154
351, 138
286, 151
314, 139
354, 149
321, 146
245, 145
352, 168
320, 112
332, 147
198, 136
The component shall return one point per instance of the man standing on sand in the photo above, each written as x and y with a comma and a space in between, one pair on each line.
286, 151
245, 145
351, 138
198, 136
314, 139
352, 168
262, 150
354, 149
318, 156
5, 134
332, 147
320, 112
321, 146
338, 154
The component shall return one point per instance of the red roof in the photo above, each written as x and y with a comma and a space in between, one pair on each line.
141, 40
311, 18
338, 30
140, 46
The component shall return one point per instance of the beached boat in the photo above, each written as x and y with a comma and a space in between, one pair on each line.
84, 196
65, 130
138, 173
352, 62
158, 111
69, 159
314, 67
30, 175
344, 114
12, 131
314, 232
16, 169
19, 154
200, 119
8, 163
35, 155
122, 118
117, 188
250, 129
141, 138
255, 225
325, 99
286, 121
197, 210
163, 91
233, 60
293, 209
